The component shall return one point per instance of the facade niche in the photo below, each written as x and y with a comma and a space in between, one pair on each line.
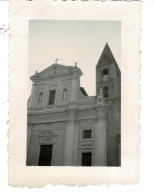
40, 98
65, 94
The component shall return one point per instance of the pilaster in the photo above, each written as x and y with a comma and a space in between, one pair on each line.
69, 136
75, 145
69, 139
101, 136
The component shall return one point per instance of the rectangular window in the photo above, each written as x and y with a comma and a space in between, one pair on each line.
87, 159
45, 155
52, 95
87, 134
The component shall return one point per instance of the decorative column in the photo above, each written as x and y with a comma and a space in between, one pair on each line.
69, 139
101, 136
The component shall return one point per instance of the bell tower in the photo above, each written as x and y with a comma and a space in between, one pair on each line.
108, 80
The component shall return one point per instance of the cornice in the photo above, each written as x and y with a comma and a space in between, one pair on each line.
59, 110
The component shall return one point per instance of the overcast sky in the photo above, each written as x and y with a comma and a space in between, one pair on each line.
70, 42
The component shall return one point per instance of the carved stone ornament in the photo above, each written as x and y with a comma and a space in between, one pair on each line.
86, 146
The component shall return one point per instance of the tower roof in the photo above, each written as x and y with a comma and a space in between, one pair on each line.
106, 56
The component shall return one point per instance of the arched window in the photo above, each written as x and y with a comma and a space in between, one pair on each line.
40, 98
64, 96
105, 74
105, 91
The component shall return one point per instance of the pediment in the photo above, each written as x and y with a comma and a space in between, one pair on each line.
55, 69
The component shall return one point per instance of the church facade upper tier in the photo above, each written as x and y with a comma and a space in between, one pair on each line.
56, 87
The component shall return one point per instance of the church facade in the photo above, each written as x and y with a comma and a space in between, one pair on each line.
65, 126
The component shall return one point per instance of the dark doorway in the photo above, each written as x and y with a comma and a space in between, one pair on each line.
45, 155
87, 159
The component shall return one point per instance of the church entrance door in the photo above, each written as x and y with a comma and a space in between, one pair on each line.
87, 159
45, 157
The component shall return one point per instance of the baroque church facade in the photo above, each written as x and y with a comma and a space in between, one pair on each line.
65, 126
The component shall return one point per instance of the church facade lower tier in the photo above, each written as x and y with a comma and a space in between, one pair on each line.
65, 126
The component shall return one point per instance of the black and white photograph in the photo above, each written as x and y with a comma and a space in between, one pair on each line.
76, 91
74, 103
74, 80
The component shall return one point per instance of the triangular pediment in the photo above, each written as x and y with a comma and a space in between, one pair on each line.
55, 69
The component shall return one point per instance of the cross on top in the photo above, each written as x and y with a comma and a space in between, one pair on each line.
56, 60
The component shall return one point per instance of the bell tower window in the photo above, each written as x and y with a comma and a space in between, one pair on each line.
105, 91
105, 74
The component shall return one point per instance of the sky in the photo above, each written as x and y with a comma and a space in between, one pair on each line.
70, 42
